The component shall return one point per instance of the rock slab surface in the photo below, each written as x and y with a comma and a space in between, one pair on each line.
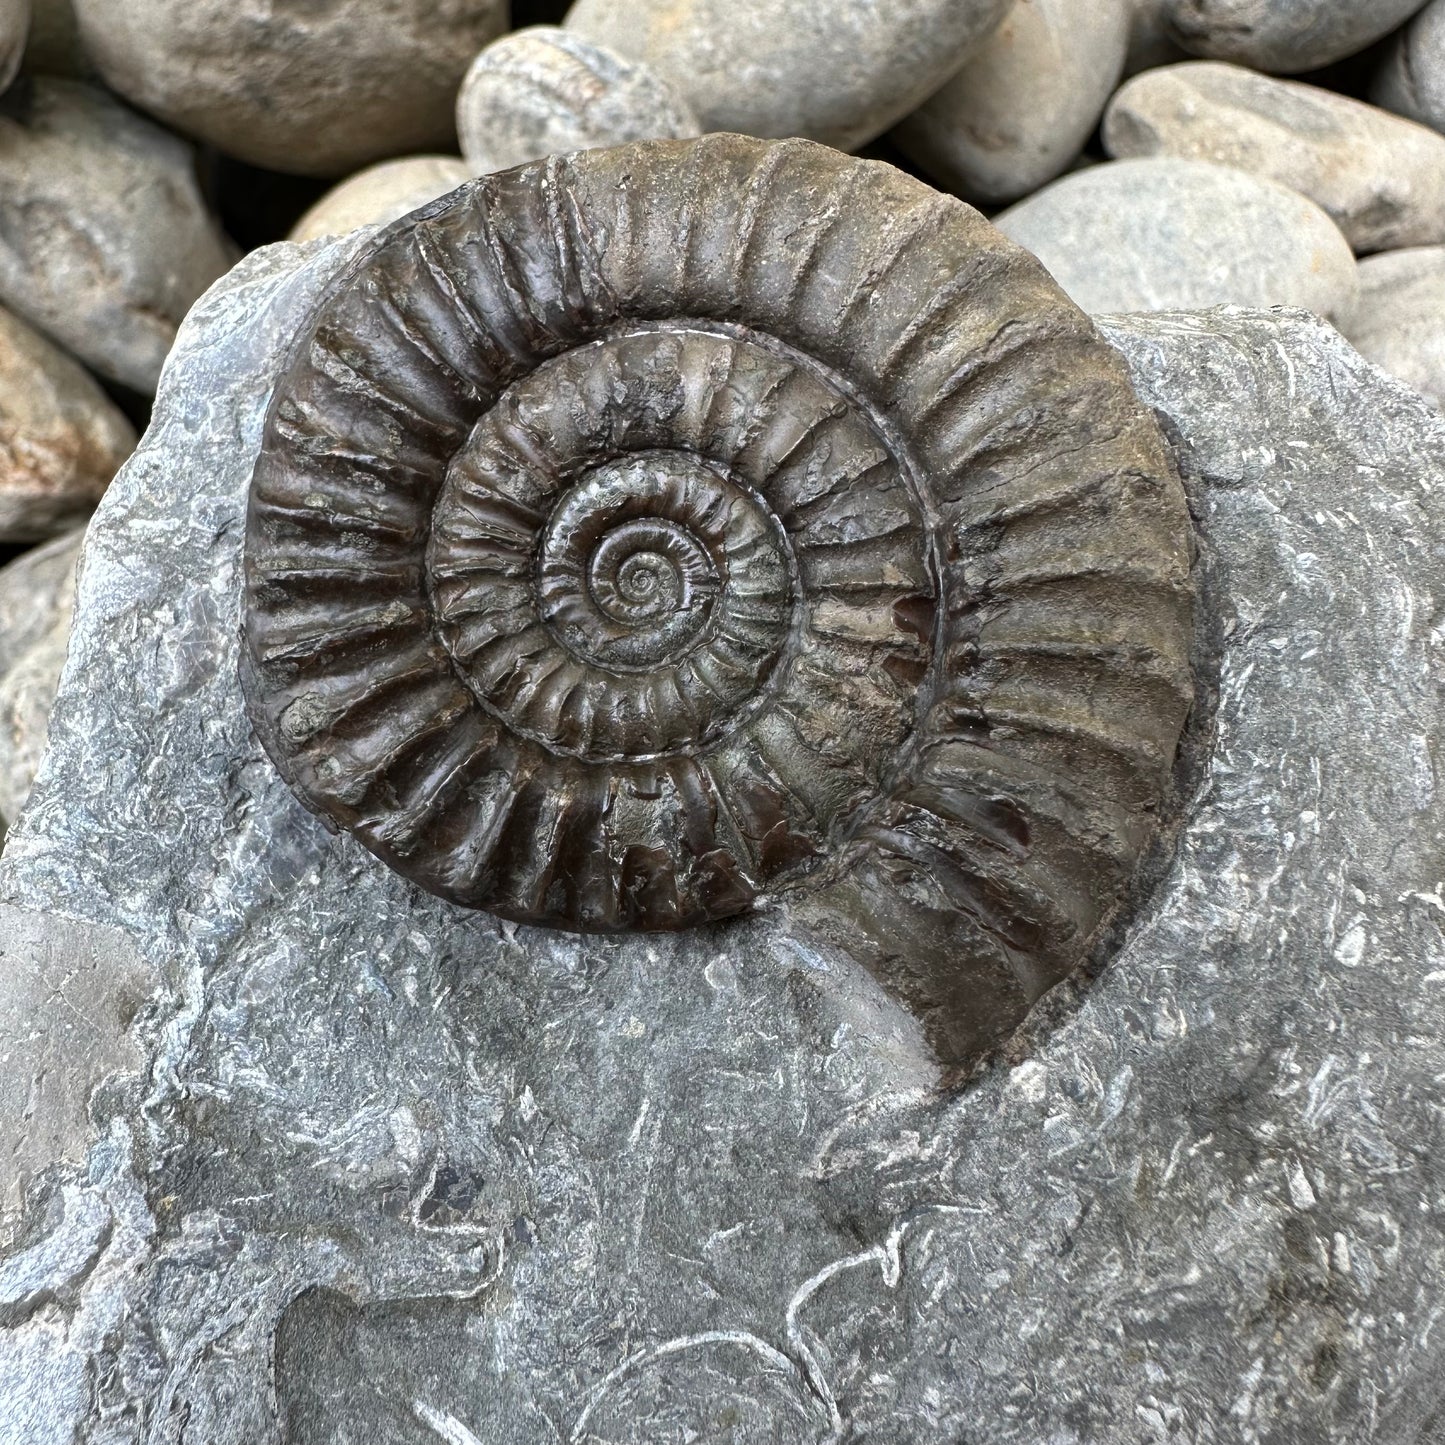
392, 1171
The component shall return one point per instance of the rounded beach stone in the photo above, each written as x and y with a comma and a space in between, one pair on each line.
61, 438
380, 194
840, 73
37, 602
1399, 320
1150, 40
1381, 178
1411, 80
1165, 235
1287, 36
104, 239
315, 89
1025, 102
544, 91
14, 26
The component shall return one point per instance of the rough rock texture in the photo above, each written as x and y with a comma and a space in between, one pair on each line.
318, 89
104, 238
37, 599
381, 193
1399, 320
70, 994
61, 438
1026, 101
544, 91
1287, 36
1380, 178
1411, 80
1164, 234
841, 73
14, 27
393, 1172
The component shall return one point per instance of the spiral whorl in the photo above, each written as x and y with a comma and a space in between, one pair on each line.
646, 531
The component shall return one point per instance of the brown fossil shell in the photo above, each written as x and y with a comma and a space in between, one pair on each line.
644, 533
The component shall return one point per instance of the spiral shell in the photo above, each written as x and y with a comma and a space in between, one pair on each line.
642, 533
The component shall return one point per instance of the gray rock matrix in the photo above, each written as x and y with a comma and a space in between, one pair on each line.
373, 1168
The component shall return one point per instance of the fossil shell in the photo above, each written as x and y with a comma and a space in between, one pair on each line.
643, 533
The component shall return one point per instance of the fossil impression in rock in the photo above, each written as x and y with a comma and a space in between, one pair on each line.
645, 534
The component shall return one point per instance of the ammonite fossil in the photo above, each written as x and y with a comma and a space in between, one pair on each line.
649, 532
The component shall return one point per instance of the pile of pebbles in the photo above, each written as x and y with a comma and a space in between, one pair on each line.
1154, 154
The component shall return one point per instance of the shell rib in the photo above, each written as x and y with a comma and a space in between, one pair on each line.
642, 534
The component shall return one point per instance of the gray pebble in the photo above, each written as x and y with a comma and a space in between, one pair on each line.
37, 600
1399, 321
104, 239
1382, 179
544, 90
380, 194
1287, 36
14, 26
1025, 103
312, 88
841, 73
1411, 79
1164, 235
61, 438
1150, 40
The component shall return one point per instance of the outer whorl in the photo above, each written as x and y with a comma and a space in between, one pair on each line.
645, 532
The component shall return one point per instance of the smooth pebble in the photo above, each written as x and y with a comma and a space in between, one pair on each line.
840, 73
61, 438
1381, 178
1025, 103
1286, 36
1399, 320
317, 88
1411, 78
544, 90
1164, 235
37, 603
104, 239
380, 194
